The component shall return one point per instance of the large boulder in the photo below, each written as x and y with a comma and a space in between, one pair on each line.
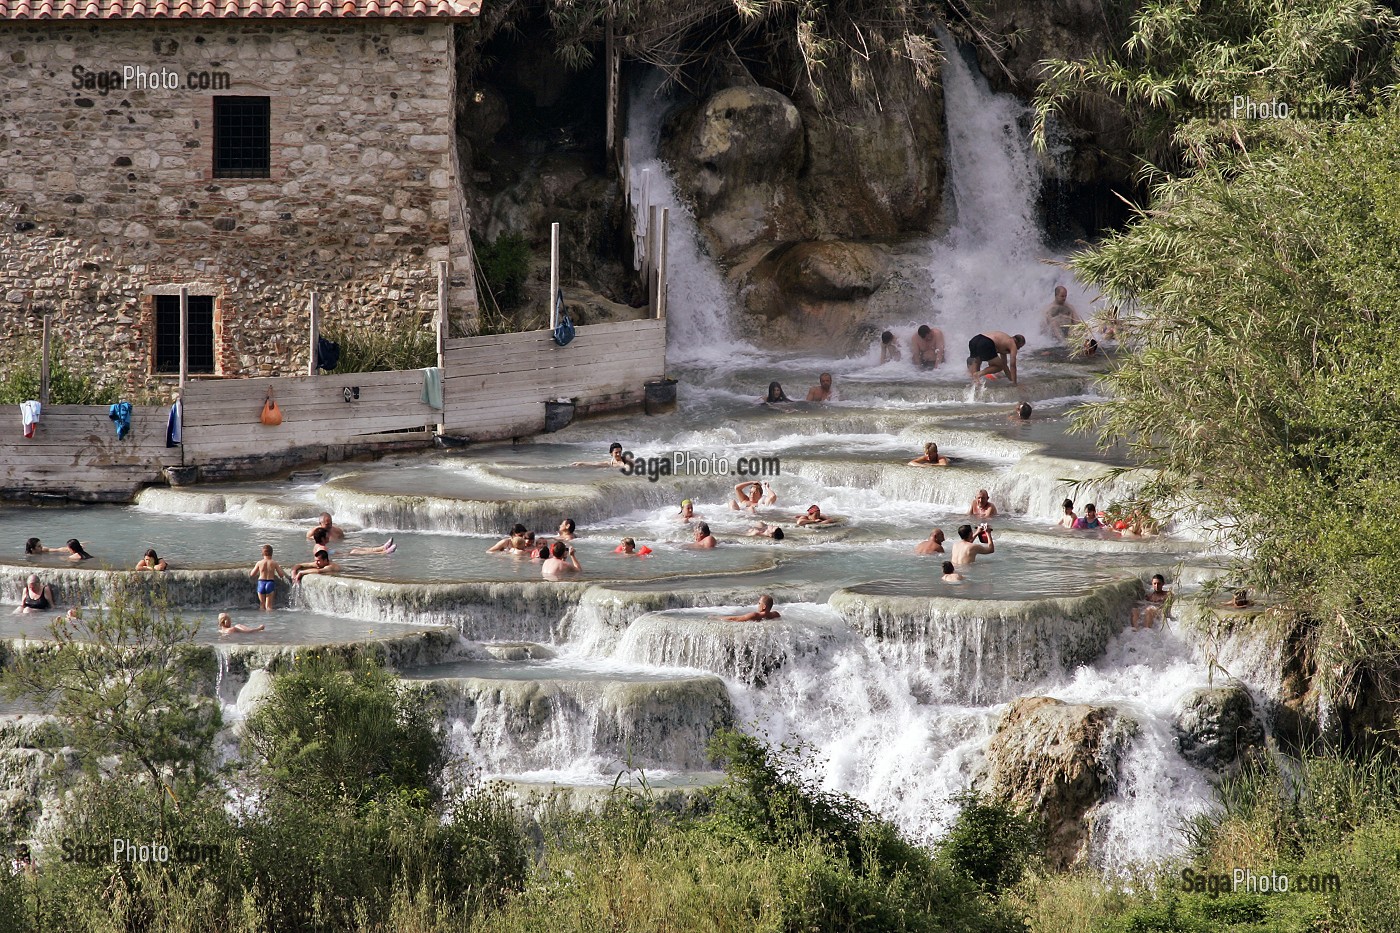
1059, 760
1216, 727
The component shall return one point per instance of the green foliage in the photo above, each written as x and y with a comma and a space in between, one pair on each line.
124, 682
1177, 76
992, 842
22, 375
503, 265
1265, 375
403, 344
345, 730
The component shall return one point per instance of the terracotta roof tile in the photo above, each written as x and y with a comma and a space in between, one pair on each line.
234, 9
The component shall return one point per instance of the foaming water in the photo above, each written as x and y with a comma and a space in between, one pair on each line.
698, 317
990, 270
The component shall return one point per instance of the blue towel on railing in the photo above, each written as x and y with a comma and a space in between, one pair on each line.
172, 426
120, 413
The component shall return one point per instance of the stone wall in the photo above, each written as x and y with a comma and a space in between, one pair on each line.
107, 194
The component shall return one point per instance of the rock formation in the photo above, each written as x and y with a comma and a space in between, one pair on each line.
1216, 728
1058, 760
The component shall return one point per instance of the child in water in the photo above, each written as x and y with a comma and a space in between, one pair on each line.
227, 627
267, 571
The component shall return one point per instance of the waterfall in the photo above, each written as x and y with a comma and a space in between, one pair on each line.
699, 310
990, 271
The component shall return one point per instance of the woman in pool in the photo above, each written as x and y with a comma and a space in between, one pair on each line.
764, 612
37, 597
703, 538
813, 516
1089, 521
950, 573
75, 550
562, 559
320, 539
566, 530
775, 395
982, 506
152, 562
930, 457
33, 546
226, 626
687, 512
614, 458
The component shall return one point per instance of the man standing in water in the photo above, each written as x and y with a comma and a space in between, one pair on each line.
821, 392
1060, 316
928, 346
996, 349
965, 551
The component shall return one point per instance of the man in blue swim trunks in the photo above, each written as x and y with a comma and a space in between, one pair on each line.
996, 349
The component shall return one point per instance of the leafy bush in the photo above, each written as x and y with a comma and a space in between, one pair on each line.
504, 266
344, 730
22, 375
402, 344
992, 842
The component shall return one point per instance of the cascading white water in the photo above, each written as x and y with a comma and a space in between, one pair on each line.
700, 325
990, 270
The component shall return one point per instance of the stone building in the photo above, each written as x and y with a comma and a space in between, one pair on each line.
255, 151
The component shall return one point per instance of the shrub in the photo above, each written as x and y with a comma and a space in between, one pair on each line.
991, 842
504, 267
402, 344
21, 378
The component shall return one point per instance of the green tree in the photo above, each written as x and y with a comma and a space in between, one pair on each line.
1265, 378
1177, 77
125, 681
21, 378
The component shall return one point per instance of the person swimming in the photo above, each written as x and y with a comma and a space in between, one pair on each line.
763, 613
629, 548
1089, 521
518, 540
889, 348
813, 516
562, 559
933, 544
1068, 519
615, 458
75, 550
930, 457
687, 512
566, 530
34, 546
152, 561
950, 573
982, 506
775, 395
36, 597
751, 494
765, 530
703, 538
228, 627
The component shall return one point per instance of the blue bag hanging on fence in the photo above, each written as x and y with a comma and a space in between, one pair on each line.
564, 329
120, 413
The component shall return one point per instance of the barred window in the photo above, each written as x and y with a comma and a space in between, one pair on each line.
242, 137
201, 322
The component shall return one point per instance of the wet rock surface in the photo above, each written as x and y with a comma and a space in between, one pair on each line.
1217, 728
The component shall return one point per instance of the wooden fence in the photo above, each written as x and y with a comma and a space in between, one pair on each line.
497, 386
494, 387
75, 452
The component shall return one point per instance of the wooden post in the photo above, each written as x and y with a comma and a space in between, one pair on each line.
653, 257
441, 310
661, 264
44, 364
184, 336
553, 275
315, 335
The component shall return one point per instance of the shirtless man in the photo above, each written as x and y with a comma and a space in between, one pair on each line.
1060, 316
1156, 604
764, 612
703, 538
562, 559
928, 347
321, 563
750, 495
996, 349
334, 532
982, 506
821, 392
965, 551
933, 544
